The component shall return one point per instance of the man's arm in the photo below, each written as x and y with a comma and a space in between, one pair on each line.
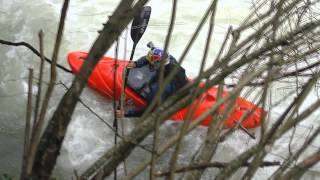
134, 113
141, 62
130, 113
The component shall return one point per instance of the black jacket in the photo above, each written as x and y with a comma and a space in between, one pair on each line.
180, 78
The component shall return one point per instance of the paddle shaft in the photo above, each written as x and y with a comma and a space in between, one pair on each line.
127, 69
138, 28
133, 50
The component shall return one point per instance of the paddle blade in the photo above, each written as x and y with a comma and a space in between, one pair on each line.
140, 23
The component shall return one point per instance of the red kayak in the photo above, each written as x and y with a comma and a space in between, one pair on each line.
102, 80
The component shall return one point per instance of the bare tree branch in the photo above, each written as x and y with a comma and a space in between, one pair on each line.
54, 134
157, 98
285, 165
201, 166
27, 128
191, 109
297, 171
34, 50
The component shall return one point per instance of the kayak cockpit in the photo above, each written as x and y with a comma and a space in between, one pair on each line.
139, 78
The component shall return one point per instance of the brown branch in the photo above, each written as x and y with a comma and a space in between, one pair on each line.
34, 50
191, 110
38, 98
246, 131
27, 128
53, 136
39, 169
175, 102
295, 73
237, 126
148, 123
210, 144
167, 109
173, 72
272, 134
109, 162
219, 165
297, 171
157, 98
294, 157
261, 153
121, 136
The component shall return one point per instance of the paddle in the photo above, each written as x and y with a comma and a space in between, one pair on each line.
138, 27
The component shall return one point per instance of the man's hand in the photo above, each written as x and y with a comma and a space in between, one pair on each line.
119, 113
131, 64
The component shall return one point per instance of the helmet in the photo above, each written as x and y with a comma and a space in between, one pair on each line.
154, 56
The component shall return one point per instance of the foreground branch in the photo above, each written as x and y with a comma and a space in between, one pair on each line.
34, 50
297, 171
27, 127
202, 166
35, 170
53, 136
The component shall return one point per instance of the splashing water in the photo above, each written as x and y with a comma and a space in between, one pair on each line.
87, 137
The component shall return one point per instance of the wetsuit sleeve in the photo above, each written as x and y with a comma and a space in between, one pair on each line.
180, 78
141, 62
134, 113
172, 59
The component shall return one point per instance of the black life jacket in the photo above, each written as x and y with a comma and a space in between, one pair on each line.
180, 78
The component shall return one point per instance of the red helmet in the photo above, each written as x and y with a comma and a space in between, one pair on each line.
155, 55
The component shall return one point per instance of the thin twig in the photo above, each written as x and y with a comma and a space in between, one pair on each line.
27, 128
201, 166
195, 122
33, 171
192, 109
158, 95
38, 98
34, 50
105, 122
285, 165
297, 171
270, 136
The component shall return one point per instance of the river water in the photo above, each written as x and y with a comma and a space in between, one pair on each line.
88, 137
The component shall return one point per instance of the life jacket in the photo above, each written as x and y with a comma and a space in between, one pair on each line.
180, 78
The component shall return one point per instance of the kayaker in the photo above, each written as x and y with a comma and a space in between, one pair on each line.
153, 60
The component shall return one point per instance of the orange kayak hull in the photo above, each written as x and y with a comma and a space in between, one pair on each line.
102, 80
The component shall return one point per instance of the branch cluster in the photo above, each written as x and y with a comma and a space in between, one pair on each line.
278, 40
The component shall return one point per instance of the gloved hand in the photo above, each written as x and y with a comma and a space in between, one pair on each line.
119, 113
131, 64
